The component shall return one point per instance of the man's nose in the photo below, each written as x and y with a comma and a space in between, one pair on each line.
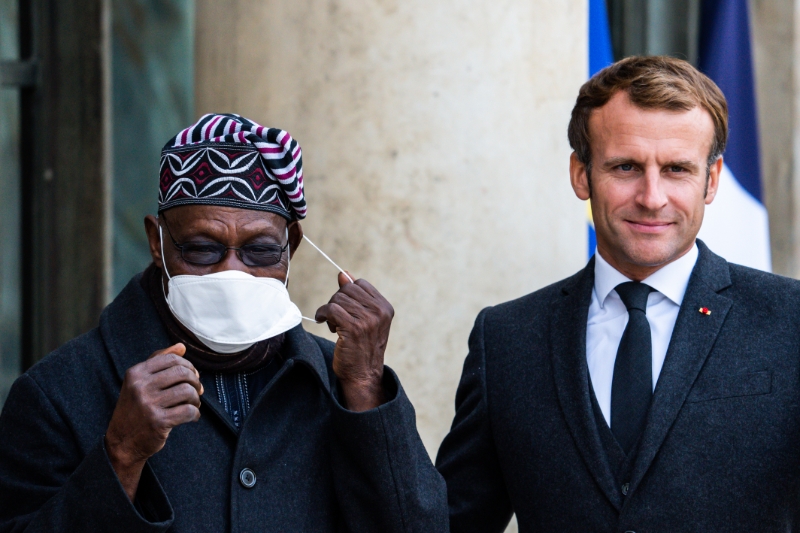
231, 261
651, 195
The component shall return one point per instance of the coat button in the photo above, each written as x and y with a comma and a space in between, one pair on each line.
247, 478
625, 488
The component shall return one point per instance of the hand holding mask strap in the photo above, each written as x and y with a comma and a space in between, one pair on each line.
328, 258
331, 261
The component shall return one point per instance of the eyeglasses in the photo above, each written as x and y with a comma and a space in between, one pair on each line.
210, 253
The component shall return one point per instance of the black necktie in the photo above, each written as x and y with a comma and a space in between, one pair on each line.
632, 386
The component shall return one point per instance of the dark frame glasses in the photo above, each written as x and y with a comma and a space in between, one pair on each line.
211, 253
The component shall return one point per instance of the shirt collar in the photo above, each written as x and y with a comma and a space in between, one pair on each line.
670, 280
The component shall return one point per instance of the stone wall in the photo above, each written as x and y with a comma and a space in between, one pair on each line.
434, 140
435, 149
776, 49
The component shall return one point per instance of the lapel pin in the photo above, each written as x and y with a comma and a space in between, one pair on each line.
705, 310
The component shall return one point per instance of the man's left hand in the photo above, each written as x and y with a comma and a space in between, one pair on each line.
361, 317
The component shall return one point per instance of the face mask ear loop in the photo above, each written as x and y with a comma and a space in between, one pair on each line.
328, 258
163, 259
288, 258
334, 264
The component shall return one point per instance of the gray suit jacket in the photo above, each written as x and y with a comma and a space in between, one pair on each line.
721, 449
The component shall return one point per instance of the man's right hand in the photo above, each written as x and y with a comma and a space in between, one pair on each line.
157, 395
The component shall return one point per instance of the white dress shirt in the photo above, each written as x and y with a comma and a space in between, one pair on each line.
608, 317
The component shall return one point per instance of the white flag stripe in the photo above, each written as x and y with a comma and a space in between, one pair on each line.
736, 225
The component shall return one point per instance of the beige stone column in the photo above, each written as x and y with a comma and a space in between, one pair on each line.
435, 149
776, 50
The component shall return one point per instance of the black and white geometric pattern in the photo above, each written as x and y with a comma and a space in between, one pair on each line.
225, 159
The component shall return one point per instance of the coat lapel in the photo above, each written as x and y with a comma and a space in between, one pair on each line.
692, 339
571, 373
299, 346
131, 328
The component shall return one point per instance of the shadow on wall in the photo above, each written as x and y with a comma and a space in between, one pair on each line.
153, 98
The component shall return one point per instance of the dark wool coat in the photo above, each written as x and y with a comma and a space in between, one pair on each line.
318, 467
721, 448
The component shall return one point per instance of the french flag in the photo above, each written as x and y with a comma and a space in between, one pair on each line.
600, 56
735, 224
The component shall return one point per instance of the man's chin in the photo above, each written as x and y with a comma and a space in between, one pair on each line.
652, 253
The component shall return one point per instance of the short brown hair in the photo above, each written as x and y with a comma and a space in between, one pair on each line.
656, 82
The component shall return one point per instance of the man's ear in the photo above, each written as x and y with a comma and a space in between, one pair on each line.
578, 177
295, 237
712, 184
151, 229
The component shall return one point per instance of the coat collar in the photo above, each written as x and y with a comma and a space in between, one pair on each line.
571, 373
300, 346
671, 281
131, 330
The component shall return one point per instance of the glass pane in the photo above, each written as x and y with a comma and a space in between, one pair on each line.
10, 213
654, 27
153, 98
671, 28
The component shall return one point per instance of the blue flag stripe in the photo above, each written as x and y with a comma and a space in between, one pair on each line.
600, 53
600, 56
725, 56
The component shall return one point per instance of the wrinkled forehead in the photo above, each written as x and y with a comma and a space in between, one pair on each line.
213, 220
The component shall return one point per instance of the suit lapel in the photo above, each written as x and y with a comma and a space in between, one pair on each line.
692, 339
571, 373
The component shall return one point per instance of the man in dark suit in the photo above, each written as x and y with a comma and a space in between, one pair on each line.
658, 389
290, 432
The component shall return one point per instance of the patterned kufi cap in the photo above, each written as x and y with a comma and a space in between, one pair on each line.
225, 159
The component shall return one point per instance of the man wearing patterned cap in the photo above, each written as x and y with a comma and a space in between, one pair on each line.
291, 432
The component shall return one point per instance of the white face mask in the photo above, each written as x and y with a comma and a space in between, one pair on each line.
230, 311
